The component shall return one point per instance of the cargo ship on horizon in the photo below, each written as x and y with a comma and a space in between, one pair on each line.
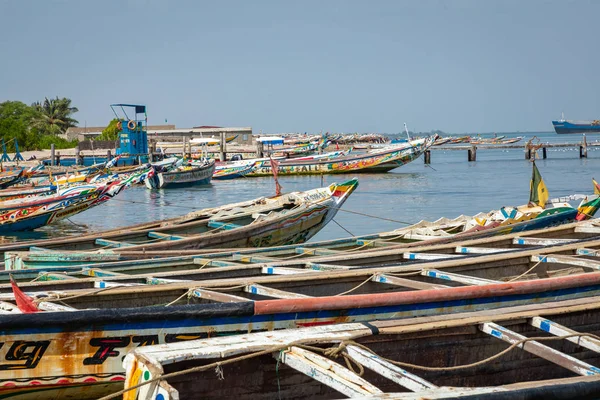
565, 126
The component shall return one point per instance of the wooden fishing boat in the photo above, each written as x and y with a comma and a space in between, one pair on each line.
97, 339
460, 139
36, 211
26, 192
235, 169
10, 178
554, 353
496, 140
298, 150
505, 220
440, 141
290, 218
182, 176
383, 160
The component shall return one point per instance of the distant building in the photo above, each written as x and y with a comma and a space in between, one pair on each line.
240, 138
89, 132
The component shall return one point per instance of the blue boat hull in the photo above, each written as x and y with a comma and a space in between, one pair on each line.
571, 127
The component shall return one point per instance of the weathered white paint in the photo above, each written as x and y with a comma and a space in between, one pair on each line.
429, 256
559, 330
392, 280
569, 260
227, 346
480, 250
450, 276
540, 350
270, 292
218, 297
327, 372
49, 306
387, 369
284, 271
531, 241
587, 229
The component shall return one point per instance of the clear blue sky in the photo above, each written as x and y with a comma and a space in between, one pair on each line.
285, 66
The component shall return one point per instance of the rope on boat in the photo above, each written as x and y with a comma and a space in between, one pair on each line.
189, 292
201, 368
335, 352
56, 296
528, 271
356, 287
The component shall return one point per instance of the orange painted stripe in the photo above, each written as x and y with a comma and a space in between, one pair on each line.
262, 307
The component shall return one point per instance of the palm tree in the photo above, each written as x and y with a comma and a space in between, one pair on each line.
54, 116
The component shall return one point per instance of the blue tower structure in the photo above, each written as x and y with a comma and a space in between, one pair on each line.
133, 135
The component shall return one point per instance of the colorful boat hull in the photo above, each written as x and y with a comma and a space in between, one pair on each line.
48, 209
379, 161
235, 170
33, 360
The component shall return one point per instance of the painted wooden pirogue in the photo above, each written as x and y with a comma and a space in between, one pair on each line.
383, 160
499, 222
441, 357
290, 218
182, 176
235, 169
36, 211
10, 178
251, 298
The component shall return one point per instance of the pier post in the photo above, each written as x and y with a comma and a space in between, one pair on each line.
222, 153
472, 153
109, 156
58, 158
52, 156
259, 149
427, 156
583, 148
528, 153
77, 155
544, 155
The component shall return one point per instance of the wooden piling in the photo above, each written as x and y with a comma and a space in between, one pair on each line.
109, 156
472, 153
222, 153
77, 155
583, 148
259, 149
544, 153
52, 155
427, 157
150, 151
528, 153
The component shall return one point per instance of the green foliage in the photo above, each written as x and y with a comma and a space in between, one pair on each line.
15, 121
35, 127
53, 116
111, 132
45, 141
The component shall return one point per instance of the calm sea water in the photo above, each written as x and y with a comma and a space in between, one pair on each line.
450, 186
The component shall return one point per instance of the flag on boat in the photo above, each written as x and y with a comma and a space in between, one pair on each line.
538, 192
24, 302
596, 187
275, 169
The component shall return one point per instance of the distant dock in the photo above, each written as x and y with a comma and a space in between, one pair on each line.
530, 150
